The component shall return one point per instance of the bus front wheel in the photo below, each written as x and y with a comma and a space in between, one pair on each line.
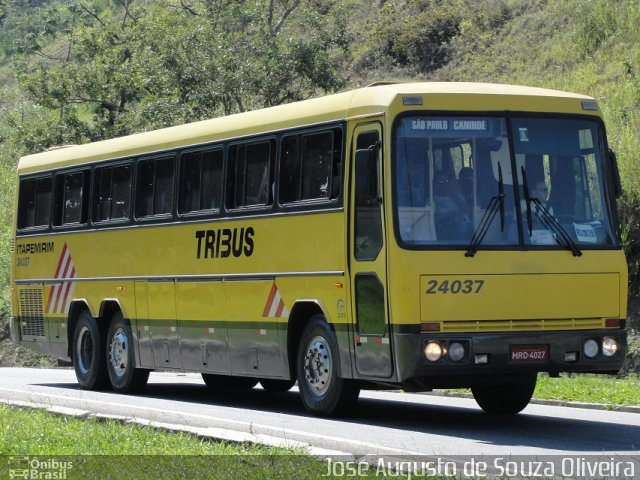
322, 390
88, 353
506, 398
121, 366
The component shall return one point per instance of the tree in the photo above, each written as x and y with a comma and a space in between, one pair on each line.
137, 67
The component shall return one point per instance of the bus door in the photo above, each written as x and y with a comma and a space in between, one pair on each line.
367, 255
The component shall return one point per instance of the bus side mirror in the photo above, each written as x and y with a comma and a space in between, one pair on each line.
615, 171
366, 175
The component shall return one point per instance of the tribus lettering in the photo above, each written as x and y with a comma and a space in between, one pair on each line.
224, 242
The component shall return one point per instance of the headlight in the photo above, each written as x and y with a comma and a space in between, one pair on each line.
456, 351
433, 351
590, 348
609, 346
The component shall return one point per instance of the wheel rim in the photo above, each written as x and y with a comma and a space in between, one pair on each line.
84, 349
318, 365
119, 353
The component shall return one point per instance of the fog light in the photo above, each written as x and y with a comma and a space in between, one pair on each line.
609, 346
456, 351
433, 351
590, 348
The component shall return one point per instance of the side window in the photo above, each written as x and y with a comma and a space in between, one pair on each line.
250, 179
368, 210
71, 206
291, 169
310, 166
112, 193
154, 187
201, 181
34, 203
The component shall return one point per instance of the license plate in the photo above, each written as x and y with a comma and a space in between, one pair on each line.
529, 354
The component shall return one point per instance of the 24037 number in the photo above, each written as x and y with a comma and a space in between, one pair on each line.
454, 287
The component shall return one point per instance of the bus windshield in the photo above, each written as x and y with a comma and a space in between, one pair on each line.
455, 176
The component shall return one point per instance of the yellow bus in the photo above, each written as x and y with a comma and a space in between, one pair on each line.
410, 235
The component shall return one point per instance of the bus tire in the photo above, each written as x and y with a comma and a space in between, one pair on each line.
506, 398
277, 386
322, 390
88, 353
226, 382
121, 360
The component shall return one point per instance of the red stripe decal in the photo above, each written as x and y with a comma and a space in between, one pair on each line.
67, 266
280, 308
64, 251
54, 290
272, 294
67, 289
63, 290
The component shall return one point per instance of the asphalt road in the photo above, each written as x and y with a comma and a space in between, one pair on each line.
385, 423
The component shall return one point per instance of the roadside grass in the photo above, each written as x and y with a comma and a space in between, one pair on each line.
584, 388
607, 390
110, 449
35, 443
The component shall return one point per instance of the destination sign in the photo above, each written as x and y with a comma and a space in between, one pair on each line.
418, 126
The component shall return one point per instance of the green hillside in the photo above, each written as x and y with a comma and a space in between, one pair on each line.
76, 71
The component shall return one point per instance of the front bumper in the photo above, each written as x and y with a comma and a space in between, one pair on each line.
565, 353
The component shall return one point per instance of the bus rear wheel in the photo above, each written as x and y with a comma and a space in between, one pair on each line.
88, 353
121, 362
322, 390
506, 398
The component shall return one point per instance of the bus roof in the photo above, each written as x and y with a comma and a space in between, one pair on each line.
361, 102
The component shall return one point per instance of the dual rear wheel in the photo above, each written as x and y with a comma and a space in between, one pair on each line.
104, 357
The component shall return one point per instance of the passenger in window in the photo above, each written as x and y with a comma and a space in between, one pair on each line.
452, 219
540, 233
539, 192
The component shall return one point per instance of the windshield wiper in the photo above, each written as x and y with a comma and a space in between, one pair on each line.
547, 220
496, 203
527, 201
551, 222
